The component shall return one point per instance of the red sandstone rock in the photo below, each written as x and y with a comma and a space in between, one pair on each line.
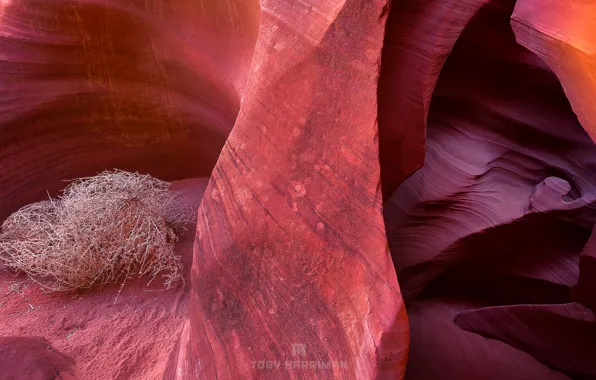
291, 250
504, 204
419, 37
584, 291
109, 334
291, 254
564, 35
532, 260
502, 144
88, 85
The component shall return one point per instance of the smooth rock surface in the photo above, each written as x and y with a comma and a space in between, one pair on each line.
564, 36
419, 36
584, 291
87, 85
560, 336
502, 144
290, 263
441, 350
499, 215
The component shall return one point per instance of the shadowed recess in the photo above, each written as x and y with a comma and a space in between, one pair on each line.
493, 227
150, 86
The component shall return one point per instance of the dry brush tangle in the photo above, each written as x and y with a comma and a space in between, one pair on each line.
104, 229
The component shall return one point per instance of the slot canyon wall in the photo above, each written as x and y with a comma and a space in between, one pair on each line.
488, 237
365, 158
149, 86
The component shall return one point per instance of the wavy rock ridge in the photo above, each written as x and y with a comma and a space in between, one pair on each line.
491, 229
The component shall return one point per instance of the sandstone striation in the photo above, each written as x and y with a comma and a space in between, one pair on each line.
291, 261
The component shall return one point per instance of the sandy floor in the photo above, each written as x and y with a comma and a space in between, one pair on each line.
130, 339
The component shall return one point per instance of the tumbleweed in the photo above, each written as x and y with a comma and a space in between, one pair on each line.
103, 229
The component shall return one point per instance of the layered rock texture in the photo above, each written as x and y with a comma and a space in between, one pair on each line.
490, 233
151, 86
350, 144
291, 247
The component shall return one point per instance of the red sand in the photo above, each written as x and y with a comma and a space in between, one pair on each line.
127, 340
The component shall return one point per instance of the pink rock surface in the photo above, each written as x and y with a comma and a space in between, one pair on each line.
503, 207
291, 247
150, 86
532, 260
502, 144
419, 36
128, 339
564, 36
584, 290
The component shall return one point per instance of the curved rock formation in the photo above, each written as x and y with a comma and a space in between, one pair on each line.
569, 329
292, 277
583, 292
505, 202
564, 37
440, 349
151, 86
419, 36
503, 144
